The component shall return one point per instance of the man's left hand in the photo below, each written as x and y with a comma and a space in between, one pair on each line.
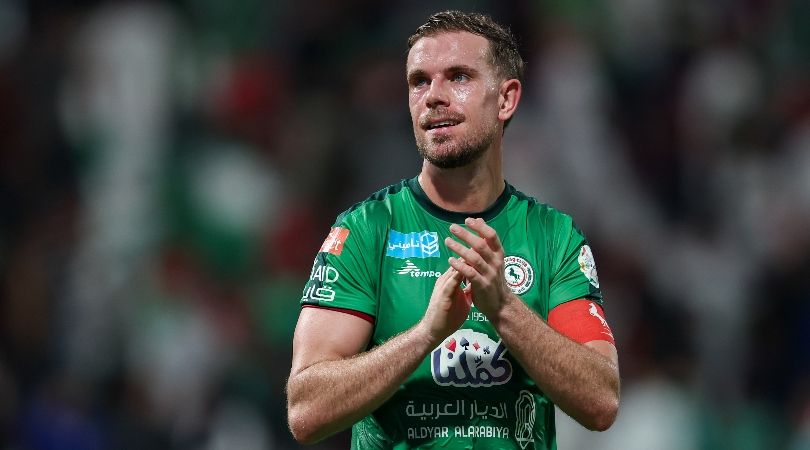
481, 264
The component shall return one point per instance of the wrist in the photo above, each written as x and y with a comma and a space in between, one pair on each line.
425, 336
497, 313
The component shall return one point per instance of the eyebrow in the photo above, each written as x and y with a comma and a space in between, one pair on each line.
419, 73
462, 68
414, 75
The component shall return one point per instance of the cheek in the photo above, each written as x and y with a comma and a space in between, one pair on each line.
413, 97
492, 103
412, 107
462, 94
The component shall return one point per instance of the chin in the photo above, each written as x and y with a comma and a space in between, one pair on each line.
454, 158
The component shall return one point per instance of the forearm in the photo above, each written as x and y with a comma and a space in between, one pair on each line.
330, 396
583, 383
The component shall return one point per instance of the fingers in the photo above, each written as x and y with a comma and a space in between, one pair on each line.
476, 243
486, 232
464, 269
485, 242
484, 252
470, 256
449, 280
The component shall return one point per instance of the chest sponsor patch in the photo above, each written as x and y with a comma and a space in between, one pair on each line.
419, 244
519, 274
468, 358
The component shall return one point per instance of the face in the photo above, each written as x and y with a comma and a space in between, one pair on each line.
453, 98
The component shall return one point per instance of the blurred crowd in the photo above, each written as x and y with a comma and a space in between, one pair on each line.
168, 170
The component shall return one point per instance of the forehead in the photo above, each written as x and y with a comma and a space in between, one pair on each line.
448, 49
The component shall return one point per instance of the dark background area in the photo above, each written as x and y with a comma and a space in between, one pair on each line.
169, 169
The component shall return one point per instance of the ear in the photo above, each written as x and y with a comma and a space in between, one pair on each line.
508, 98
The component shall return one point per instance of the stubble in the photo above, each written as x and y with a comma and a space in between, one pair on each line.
450, 152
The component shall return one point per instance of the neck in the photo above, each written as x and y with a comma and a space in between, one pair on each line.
471, 188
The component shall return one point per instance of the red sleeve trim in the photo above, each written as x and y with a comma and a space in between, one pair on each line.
367, 317
581, 320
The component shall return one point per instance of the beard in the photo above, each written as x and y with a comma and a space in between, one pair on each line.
445, 152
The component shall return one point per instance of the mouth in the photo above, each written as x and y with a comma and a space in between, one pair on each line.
437, 124
441, 124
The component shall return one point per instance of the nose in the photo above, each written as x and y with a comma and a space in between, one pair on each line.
437, 95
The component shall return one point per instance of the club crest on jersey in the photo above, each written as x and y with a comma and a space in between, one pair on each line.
468, 358
419, 244
519, 274
587, 265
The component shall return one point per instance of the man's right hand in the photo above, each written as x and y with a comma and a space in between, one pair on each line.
329, 390
448, 307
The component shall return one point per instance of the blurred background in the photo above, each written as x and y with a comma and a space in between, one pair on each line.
168, 171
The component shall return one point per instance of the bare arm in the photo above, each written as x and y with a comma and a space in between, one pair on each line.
329, 387
583, 380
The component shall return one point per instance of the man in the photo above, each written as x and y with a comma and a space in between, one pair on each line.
450, 310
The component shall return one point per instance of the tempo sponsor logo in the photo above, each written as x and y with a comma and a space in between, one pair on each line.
419, 244
468, 358
412, 270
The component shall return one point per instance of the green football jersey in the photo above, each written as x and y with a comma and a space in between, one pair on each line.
382, 259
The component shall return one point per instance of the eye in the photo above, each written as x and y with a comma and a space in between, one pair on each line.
418, 82
460, 77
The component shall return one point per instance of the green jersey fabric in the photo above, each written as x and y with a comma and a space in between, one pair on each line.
382, 259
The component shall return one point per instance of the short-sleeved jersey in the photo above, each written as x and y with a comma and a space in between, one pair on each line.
382, 258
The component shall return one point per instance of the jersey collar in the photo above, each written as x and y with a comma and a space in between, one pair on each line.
458, 217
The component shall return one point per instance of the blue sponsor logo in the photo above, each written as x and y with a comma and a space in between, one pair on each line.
419, 244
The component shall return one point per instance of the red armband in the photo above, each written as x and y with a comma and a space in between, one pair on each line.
581, 320
367, 317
